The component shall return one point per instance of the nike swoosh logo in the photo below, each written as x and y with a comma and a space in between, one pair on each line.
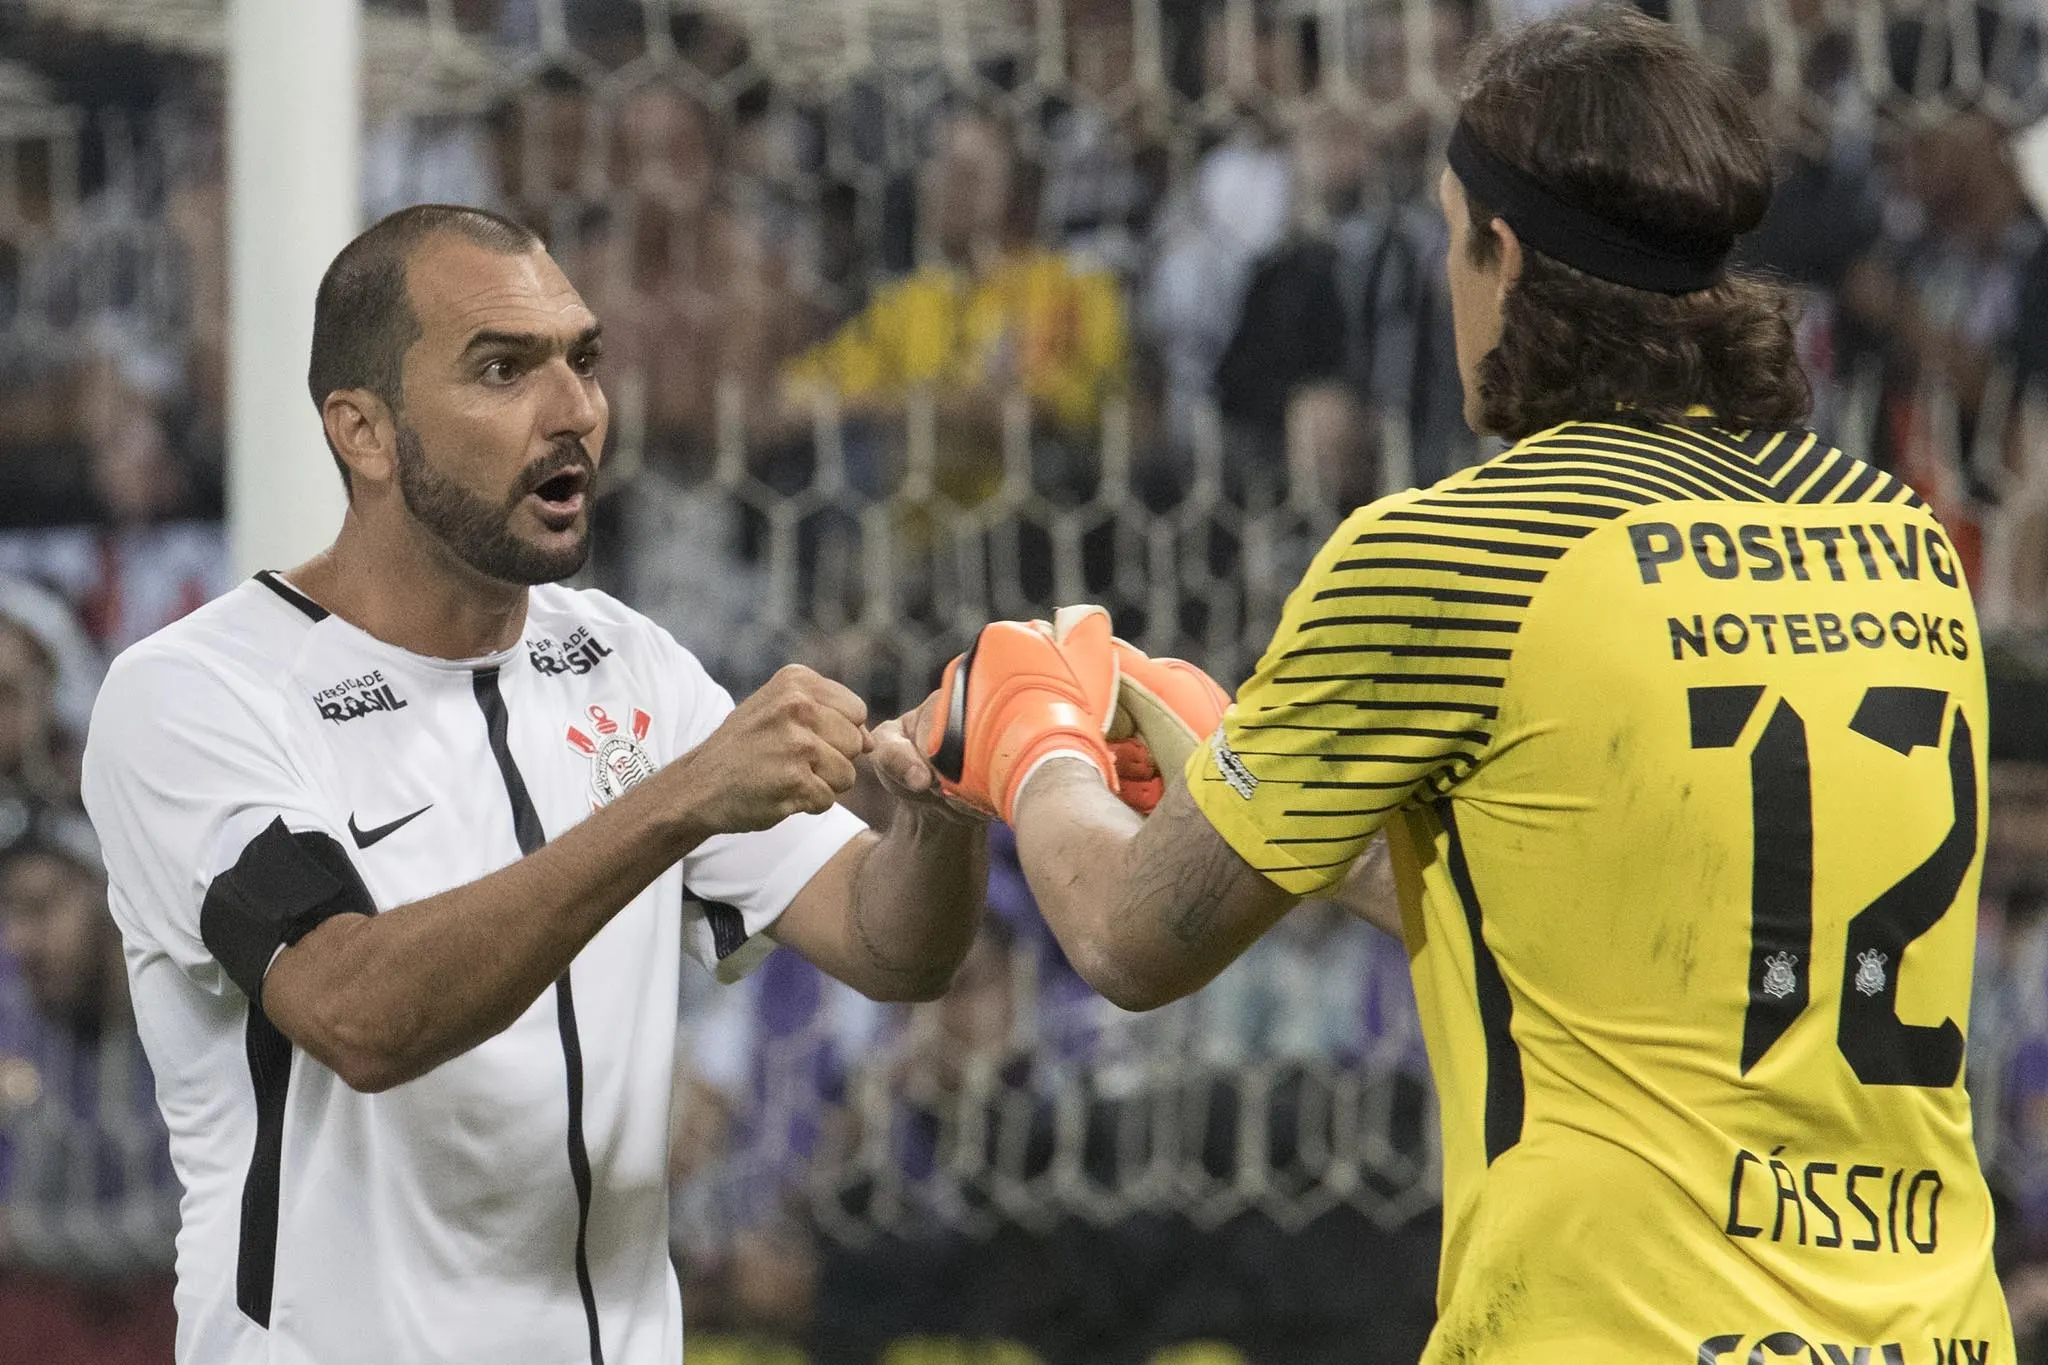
365, 837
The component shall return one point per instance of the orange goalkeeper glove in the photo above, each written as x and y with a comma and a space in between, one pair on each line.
1164, 709
1015, 699
1156, 712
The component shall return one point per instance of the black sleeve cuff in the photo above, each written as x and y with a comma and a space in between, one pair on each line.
283, 885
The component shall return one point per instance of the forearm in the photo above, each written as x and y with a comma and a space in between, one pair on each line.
1075, 841
1146, 909
911, 905
1080, 850
918, 903
387, 998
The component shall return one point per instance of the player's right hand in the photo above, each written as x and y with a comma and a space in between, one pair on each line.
787, 748
1154, 711
1016, 698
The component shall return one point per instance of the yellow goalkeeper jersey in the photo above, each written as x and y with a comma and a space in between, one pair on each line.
1678, 736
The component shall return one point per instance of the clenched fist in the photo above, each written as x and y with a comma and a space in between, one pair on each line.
789, 747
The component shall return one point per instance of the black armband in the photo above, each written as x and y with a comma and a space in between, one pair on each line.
282, 886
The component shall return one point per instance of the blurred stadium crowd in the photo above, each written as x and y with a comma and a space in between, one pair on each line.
920, 313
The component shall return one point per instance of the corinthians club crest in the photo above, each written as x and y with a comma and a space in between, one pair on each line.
1781, 975
617, 762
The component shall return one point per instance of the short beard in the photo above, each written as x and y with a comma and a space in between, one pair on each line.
479, 533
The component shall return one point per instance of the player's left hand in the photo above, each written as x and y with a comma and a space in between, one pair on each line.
1165, 708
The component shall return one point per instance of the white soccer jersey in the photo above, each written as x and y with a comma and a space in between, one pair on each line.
510, 1205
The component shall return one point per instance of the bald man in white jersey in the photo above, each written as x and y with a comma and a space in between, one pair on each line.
406, 845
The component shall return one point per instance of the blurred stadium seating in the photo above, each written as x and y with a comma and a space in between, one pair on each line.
925, 312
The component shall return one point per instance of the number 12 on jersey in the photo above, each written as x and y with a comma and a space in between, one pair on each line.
1880, 1049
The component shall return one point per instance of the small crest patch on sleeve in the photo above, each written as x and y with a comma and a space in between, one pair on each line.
1241, 779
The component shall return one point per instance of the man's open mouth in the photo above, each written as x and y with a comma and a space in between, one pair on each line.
564, 491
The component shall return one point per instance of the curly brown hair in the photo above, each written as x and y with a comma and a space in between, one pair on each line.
1615, 114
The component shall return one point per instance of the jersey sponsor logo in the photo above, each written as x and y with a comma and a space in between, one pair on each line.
1757, 1348
1834, 1205
366, 837
1820, 632
1241, 779
618, 763
575, 656
354, 698
1804, 554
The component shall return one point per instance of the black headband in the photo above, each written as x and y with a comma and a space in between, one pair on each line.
1662, 263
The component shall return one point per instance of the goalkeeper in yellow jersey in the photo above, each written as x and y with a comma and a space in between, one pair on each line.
1674, 718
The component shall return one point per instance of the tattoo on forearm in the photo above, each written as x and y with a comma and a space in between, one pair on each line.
1197, 887
1190, 879
870, 945
857, 913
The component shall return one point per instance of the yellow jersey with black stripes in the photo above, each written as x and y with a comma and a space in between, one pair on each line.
1678, 736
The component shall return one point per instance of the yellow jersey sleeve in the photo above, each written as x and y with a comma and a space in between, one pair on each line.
1381, 685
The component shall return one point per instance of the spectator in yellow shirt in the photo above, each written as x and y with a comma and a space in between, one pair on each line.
992, 313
